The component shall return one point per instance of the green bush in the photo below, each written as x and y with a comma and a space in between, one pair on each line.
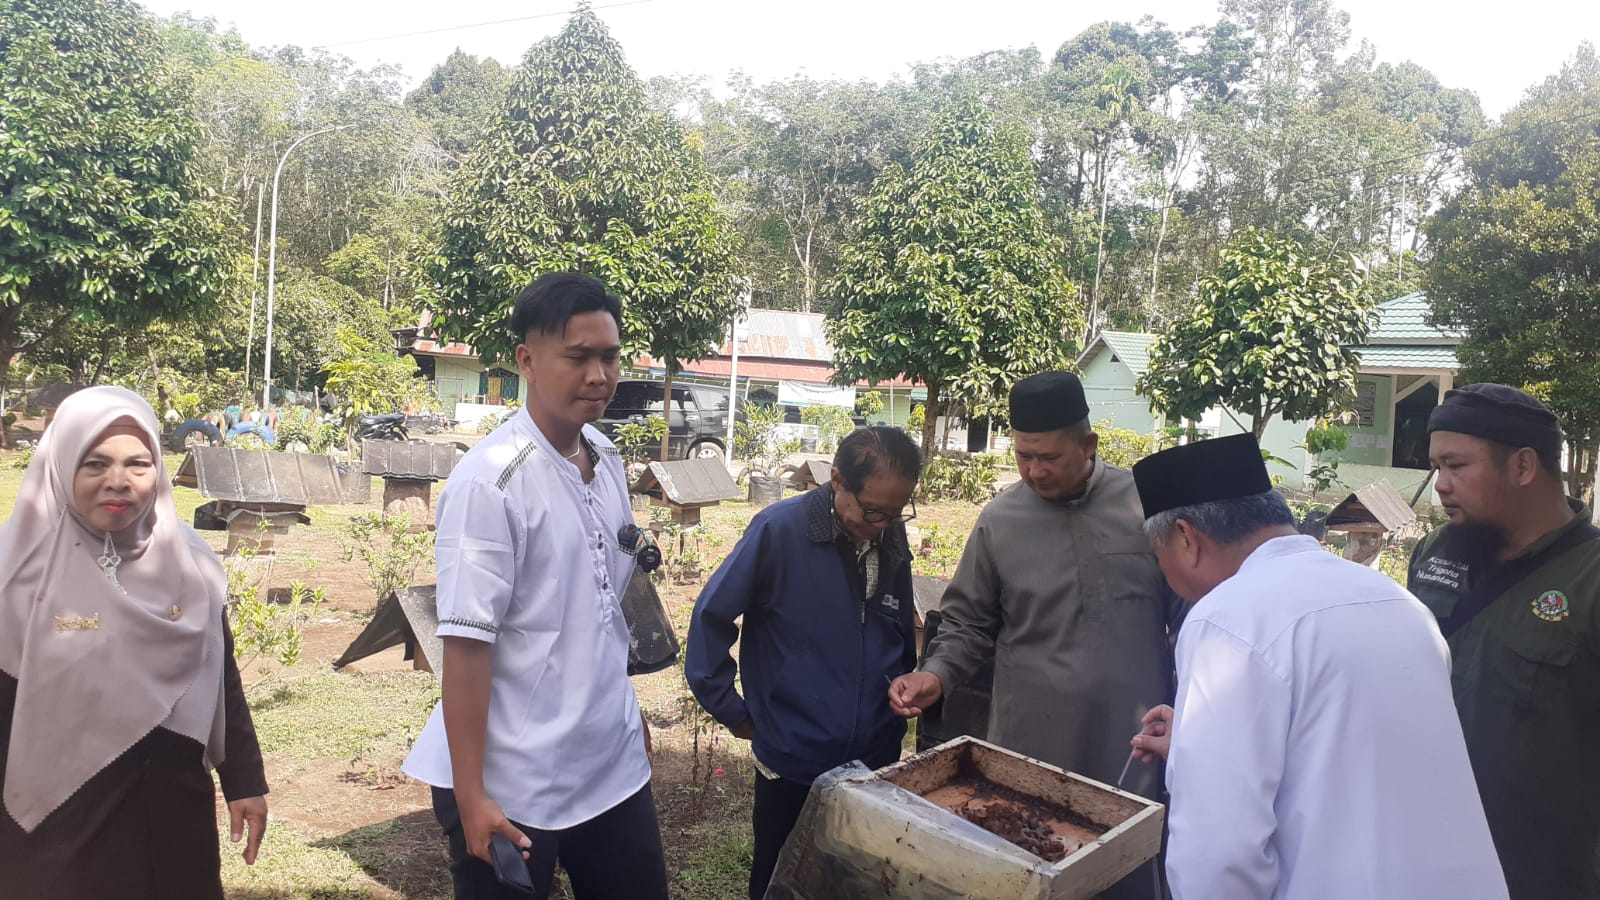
635, 440
958, 476
1122, 447
834, 421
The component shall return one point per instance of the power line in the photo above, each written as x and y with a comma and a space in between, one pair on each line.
409, 34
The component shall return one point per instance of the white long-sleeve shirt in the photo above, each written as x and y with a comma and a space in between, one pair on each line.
528, 561
1316, 752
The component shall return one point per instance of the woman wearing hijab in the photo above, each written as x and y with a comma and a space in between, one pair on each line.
117, 680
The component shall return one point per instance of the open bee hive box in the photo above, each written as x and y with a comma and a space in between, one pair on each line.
965, 819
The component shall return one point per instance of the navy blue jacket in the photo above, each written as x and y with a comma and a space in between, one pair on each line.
816, 655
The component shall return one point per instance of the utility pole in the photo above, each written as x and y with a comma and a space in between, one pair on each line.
272, 264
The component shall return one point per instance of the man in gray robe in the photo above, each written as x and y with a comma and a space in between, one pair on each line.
1058, 587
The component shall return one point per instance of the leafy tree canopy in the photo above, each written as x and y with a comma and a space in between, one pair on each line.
1271, 333
1516, 255
580, 174
100, 216
952, 279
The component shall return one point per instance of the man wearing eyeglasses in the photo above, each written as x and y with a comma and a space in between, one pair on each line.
1058, 588
823, 582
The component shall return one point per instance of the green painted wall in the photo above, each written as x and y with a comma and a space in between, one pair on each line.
1108, 386
1370, 446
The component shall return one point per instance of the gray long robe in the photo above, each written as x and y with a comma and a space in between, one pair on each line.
1066, 598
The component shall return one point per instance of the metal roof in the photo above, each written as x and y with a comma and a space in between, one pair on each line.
1404, 320
688, 482
407, 616
1443, 358
1376, 503
409, 459
1132, 348
267, 476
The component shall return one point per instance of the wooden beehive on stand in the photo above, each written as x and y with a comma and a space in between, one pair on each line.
686, 486
809, 474
1367, 517
259, 494
409, 470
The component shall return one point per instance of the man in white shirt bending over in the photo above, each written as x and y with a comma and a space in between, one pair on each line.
1315, 751
538, 736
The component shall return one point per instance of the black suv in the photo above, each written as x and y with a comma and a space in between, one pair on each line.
697, 427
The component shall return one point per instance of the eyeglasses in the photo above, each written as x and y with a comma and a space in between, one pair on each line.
878, 516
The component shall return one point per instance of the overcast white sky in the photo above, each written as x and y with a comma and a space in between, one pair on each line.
1495, 50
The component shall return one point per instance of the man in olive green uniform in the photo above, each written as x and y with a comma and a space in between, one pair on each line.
1514, 580
1058, 588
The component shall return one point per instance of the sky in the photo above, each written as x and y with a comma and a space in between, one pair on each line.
1497, 52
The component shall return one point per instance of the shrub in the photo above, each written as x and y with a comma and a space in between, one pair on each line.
1122, 447
958, 476
391, 552
834, 421
634, 439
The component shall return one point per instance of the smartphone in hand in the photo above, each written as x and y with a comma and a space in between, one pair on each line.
509, 867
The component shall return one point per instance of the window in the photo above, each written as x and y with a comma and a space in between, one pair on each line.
711, 400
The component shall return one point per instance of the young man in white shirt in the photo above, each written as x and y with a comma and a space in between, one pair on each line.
538, 736
1315, 753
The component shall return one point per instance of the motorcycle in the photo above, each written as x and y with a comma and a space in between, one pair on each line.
384, 427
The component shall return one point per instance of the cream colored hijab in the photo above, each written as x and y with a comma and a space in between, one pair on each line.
100, 663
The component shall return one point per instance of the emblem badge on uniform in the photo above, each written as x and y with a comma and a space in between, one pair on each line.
1551, 606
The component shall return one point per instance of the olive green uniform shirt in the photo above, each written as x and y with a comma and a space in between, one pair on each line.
1526, 677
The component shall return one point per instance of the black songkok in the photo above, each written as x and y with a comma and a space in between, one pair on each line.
1224, 468
1501, 414
1047, 401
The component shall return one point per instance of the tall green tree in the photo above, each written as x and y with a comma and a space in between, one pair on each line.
580, 174
1271, 334
1516, 256
101, 217
953, 278
460, 99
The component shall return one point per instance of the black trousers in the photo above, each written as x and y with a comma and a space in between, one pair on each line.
617, 854
778, 802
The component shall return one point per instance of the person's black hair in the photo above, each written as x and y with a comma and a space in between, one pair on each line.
553, 299
867, 451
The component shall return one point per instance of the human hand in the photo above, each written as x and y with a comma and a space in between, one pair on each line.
745, 730
481, 819
1152, 743
649, 746
914, 692
251, 811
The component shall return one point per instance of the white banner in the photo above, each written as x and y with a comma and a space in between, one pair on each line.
804, 393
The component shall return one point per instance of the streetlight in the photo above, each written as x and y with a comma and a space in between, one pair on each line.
272, 264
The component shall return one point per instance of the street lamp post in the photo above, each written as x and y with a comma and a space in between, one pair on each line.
272, 264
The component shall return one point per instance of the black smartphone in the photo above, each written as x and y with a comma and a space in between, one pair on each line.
509, 866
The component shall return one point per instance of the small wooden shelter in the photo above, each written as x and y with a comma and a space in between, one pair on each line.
409, 470
685, 486
409, 616
1367, 517
809, 474
259, 494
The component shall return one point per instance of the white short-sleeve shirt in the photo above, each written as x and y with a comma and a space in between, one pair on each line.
528, 561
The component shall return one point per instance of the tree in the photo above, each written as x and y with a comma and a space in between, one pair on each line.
580, 174
1516, 256
1272, 333
952, 279
101, 217
460, 99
